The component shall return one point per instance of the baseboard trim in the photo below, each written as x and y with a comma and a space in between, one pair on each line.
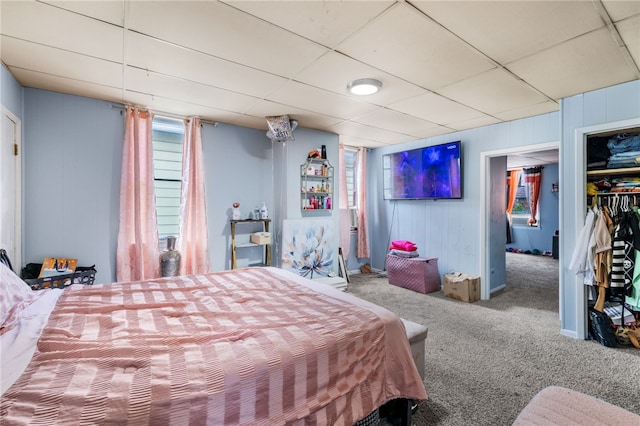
502, 287
569, 333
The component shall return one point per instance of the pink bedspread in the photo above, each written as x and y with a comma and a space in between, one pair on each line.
238, 347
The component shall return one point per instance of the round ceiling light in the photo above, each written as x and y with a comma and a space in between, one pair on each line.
364, 86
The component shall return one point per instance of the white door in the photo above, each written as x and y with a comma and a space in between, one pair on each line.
10, 188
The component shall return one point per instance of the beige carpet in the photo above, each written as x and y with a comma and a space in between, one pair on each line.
486, 360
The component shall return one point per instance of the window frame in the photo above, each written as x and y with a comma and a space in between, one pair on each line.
168, 148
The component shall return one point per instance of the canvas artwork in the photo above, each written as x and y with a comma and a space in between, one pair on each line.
53, 266
308, 247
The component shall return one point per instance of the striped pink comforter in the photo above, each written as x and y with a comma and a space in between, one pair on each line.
238, 347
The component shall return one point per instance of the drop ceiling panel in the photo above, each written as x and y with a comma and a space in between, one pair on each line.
436, 108
173, 107
629, 30
107, 11
395, 121
65, 85
579, 65
318, 100
165, 58
370, 133
333, 71
485, 120
493, 92
51, 26
182, 90
508, 30
225, 32
49, 60
405, 43
263, 108
528, 111
356, 142
326, 22
618, 10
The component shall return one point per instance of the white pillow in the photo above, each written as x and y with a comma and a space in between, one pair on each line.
15, 295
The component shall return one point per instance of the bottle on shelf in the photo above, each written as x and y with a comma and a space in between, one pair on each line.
264, 212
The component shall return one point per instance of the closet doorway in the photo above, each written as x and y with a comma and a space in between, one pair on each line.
495, 276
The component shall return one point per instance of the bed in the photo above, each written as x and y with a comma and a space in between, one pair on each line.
250, 346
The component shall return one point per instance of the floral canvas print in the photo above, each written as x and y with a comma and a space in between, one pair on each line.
307, 247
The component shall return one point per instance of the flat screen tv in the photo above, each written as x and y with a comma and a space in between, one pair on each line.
432, 172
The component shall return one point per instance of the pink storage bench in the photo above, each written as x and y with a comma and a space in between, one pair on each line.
415, 273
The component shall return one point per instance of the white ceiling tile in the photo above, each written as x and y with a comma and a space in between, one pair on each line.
326, 22
618, 10
173, 107
508, 30
53, 61
405, 43
54, 83
436, 108
318, 100
333, 71
492, 92
308, 119
51, 26
165, 58
629, 30
182, 90
356, 142
528, 111
350, 128
225, 32
107, 11
473, 123
395, 121
579, 65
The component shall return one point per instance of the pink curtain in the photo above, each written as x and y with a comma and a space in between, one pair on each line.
361, 179
532, 178
137, 255
343, 207
512, 182
193, 239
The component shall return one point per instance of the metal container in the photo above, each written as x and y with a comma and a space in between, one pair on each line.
170, 259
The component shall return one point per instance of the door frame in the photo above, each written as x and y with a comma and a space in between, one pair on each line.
485, 193
17, 256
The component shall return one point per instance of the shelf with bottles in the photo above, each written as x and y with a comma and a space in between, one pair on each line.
316, 184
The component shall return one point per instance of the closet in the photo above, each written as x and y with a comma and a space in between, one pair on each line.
613, 198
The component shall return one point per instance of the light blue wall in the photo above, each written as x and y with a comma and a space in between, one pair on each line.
541, 238
600, 107
73, 150
448, 229
72, 156
10, 92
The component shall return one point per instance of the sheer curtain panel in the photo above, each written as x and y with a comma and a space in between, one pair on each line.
343, 205
137, 256
363, 239
194, 235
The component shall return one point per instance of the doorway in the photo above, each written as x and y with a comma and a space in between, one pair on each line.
10, 188
493, 207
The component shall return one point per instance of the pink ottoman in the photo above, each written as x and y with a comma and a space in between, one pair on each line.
415, 273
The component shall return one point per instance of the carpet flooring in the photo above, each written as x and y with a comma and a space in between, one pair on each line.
485, 360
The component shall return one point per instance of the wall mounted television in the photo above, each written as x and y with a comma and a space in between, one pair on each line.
427, 173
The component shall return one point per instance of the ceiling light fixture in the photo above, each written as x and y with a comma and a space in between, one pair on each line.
364, 86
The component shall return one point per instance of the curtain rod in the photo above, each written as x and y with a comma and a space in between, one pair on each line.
166, 114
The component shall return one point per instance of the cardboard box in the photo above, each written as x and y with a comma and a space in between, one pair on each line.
462, 287
261, 238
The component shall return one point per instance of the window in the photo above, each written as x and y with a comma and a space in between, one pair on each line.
350, 156
521, 211
168, 142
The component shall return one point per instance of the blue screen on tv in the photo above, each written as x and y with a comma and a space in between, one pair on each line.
431, 172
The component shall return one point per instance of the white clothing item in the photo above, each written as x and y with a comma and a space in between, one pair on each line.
579, 263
